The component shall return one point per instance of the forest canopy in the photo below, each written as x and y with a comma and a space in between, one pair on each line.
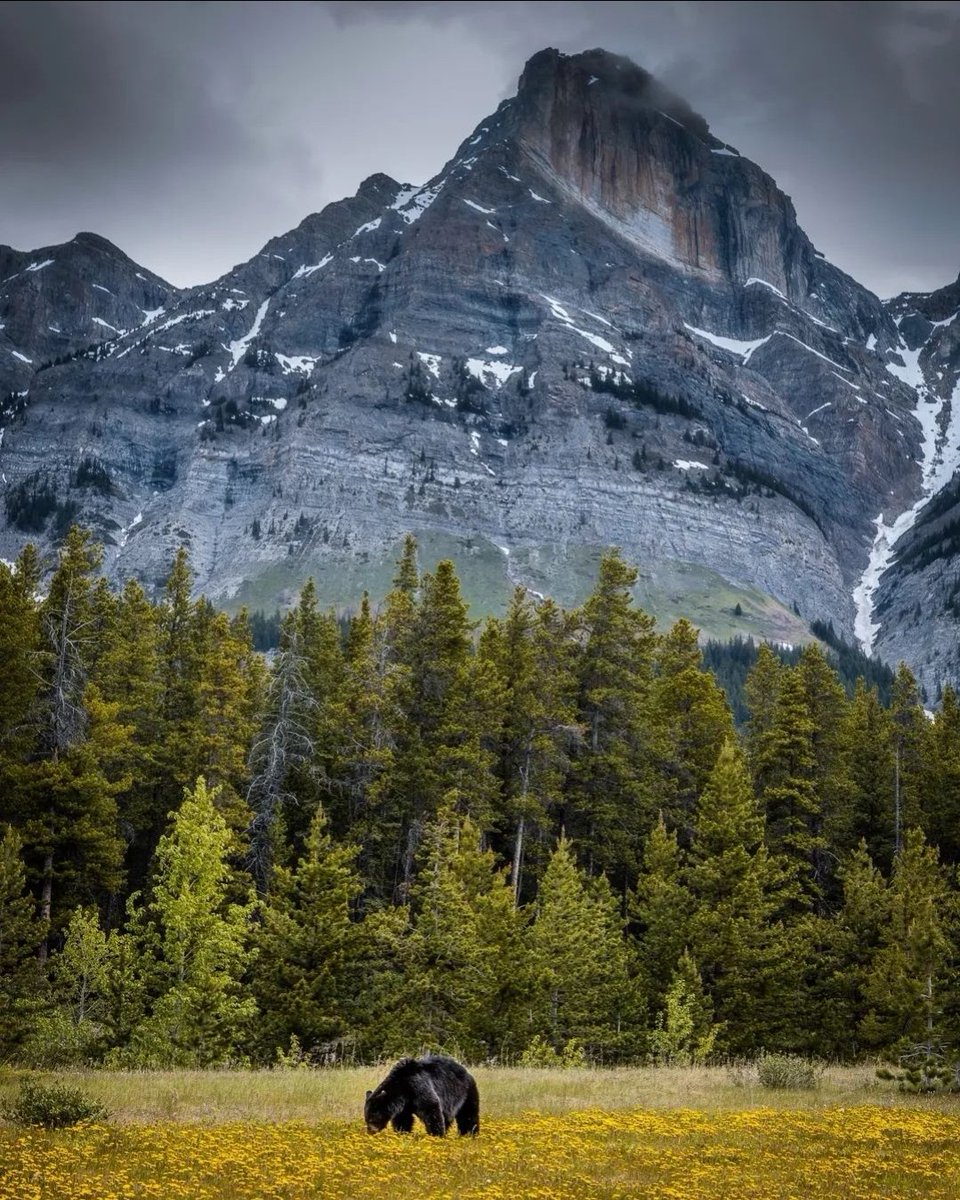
541, 838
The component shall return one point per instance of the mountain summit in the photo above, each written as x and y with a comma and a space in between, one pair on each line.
596, 324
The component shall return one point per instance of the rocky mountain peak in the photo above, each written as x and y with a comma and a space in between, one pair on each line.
616, 140
379, 187
570, 84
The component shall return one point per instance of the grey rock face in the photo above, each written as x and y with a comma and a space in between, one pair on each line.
597, 324
917, 600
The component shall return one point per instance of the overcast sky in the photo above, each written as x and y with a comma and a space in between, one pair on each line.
190, 133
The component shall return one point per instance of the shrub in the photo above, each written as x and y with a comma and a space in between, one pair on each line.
539, 1053
788, 1072
53, 1106
924, 1067
57, 1041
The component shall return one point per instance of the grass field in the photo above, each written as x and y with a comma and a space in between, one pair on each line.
666, 589
696, 1133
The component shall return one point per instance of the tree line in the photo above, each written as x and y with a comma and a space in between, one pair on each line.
537, 839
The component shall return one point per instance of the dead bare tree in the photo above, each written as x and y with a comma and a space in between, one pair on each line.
283, 743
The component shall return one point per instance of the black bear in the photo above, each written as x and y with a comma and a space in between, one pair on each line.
436, 1089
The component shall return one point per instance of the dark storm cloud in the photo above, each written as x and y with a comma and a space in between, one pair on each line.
191, 133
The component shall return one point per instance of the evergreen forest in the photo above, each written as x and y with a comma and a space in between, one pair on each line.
539, 839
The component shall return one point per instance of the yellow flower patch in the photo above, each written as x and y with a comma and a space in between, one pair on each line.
857, 1153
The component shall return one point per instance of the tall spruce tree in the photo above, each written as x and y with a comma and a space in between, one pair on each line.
907, 983
785, 765
691, 709
736, 936
453, 711
826, 707
308, 970
761, 692
531, 649
21, 933
128, 675
450, 954
910, 737
578, 958
610, 802
65, 788
19, 645
840, 1005
192, 945
660, 911
871, 771
282, 749
942, 770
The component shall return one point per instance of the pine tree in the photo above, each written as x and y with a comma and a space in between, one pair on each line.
532, 650
282, 749
610, 802
321, 648
826, 707
179, 682
942, 769
852, 943
761, 693
228, 695
871, 771
906, 986
450, 705
308, 973
691, 708
370, 716
735, 935
65, 790
449, 972
910, 739
660, 910
128, 675
785, 764
19, 644
61, 718
20, 935
192, 945
578, 957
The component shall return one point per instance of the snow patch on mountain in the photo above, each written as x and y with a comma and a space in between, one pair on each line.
734, 345
939, 460
296, 364
238, 349
484, 370
411, 204
431, 362
305, 270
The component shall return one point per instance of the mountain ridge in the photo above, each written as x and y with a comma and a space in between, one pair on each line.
592, 286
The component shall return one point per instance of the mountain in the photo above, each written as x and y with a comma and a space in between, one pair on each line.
915, 561
597, 324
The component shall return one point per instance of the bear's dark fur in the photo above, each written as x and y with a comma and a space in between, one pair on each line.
437, 1090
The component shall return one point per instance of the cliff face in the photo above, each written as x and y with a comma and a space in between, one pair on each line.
597, 324
916, 557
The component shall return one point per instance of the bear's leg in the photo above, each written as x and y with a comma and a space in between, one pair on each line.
431, 1114
403, 1121
468, 1114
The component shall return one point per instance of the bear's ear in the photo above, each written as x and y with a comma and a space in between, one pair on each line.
369, 1094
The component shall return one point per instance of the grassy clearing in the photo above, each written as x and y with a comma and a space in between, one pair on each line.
337, 1094
667, 589
694, 1133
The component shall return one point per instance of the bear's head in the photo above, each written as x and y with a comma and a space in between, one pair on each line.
377, 1110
